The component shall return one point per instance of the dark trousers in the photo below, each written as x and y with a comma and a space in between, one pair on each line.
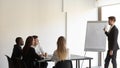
44, 64
109, 57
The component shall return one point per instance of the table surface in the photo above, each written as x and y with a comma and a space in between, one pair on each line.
72, 57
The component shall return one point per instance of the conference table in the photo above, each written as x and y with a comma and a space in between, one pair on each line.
76, 58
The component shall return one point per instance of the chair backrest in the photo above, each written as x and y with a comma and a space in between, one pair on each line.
16, 63
64, 64
10, 62
20, 63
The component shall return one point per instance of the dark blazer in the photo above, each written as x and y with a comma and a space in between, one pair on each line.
30, 57
112, 38
17, 52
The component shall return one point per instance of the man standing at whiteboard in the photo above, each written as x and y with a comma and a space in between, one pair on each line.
112, 35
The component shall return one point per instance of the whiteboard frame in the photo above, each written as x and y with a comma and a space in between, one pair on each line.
91, 49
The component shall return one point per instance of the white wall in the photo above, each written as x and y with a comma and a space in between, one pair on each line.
28, 17
45, 19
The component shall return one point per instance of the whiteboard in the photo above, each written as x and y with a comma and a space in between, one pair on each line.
95, 37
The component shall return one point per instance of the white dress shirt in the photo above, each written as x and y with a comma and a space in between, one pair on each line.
39, 50
111, 27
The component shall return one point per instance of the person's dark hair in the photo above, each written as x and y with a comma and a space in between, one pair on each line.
35, 36
17, 40
28, 43
112, 18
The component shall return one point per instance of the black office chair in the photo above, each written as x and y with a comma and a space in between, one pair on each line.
20, 63
64, 64
16, 63
10, 62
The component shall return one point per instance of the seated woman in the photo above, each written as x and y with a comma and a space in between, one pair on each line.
29, 54
61, 53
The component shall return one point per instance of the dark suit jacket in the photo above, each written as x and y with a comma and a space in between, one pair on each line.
30, 57
17, 52
112, 38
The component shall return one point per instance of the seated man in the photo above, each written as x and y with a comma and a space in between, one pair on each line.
17, 51
40, 51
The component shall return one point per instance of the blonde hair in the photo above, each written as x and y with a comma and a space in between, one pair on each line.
61, 48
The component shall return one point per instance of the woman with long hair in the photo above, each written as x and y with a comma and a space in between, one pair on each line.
29, 54
61, 53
